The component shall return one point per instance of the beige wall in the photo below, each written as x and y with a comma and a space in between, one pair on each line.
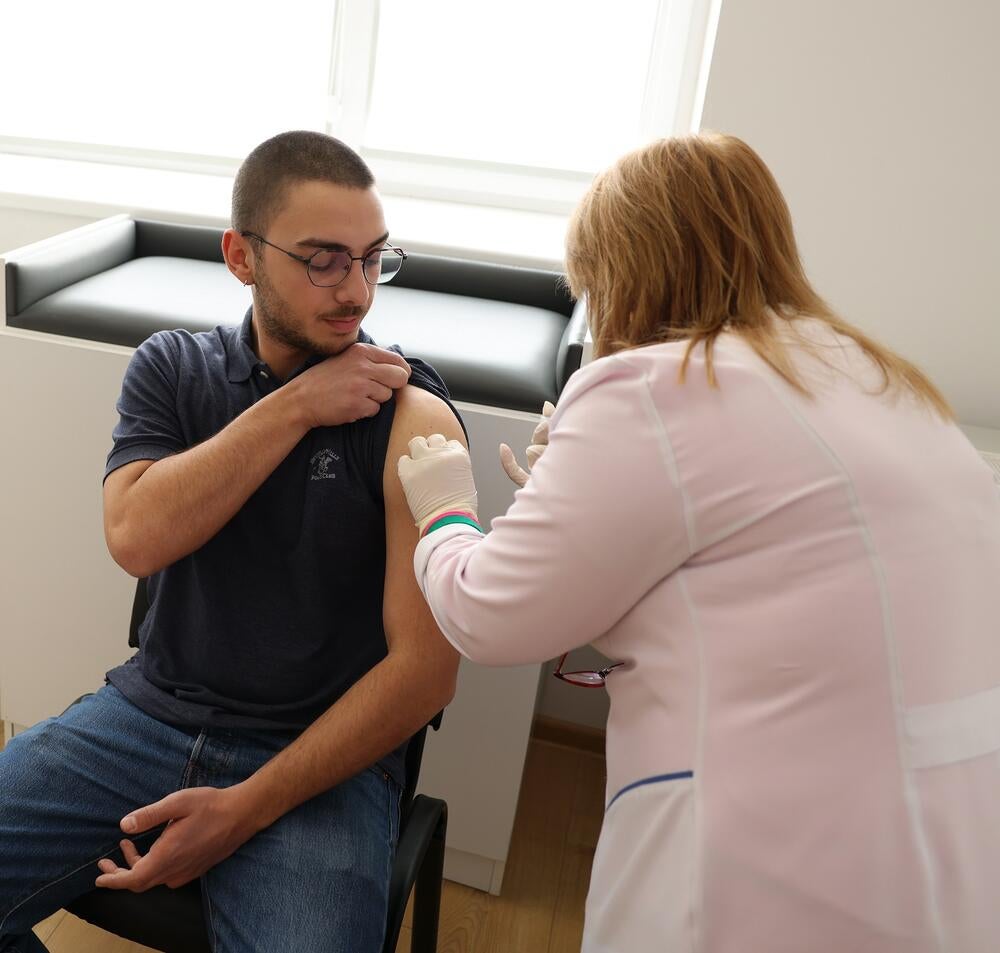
881, 121
21, 227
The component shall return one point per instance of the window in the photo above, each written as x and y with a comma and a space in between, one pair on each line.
186, 81
514, 104
521, 83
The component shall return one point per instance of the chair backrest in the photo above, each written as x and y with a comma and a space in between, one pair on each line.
414, 755
140, 606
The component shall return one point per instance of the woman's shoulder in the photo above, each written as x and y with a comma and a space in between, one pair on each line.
618, 385
632, 363
634, 367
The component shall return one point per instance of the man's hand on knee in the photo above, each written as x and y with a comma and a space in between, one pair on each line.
204, 827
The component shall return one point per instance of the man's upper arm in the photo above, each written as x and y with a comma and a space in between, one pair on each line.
116, 484
409, 624
148, 427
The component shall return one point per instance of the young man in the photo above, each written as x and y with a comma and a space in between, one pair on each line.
287, 655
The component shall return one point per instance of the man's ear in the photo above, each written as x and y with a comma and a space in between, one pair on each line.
238, 254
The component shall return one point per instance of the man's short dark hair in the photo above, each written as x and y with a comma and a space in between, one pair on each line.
287, 159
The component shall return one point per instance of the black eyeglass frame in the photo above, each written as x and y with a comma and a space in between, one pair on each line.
307, 260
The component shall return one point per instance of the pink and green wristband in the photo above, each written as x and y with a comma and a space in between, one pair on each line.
450, 518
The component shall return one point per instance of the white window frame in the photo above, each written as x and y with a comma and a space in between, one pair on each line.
681, 46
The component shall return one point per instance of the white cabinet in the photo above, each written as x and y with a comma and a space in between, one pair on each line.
475, 761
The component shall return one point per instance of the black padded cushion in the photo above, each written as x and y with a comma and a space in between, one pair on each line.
500, 335
178, 241
128, 303
34, 275
489, 352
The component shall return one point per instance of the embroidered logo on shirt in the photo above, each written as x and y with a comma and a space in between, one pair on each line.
321, 463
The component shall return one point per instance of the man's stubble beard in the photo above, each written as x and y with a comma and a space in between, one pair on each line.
278, 324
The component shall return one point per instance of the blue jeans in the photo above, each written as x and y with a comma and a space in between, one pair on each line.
315, 880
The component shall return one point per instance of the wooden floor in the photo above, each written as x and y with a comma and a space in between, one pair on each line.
540, 909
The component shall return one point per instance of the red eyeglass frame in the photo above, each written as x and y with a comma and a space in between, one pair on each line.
584, 679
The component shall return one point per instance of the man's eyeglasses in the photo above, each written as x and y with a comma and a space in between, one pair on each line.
584, 679
327, 268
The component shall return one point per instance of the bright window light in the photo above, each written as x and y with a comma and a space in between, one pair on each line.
556, 84
188, 76
514, 105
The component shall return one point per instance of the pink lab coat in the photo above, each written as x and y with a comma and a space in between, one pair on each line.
803, 748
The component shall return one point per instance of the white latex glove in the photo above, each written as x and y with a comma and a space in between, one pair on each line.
437, 478
539, 441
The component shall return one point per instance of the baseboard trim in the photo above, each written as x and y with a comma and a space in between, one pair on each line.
473, 870
567, 733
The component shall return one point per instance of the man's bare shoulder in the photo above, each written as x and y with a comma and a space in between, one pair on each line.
419, 413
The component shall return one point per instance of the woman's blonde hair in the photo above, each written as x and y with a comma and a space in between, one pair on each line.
691, 236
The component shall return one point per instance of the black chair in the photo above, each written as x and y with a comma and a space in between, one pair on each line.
173, 921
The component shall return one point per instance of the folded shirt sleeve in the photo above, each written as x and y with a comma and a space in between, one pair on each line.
148, 424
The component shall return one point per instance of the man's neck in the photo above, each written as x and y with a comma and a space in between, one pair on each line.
281, 359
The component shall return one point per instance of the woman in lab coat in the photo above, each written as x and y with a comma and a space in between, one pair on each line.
774, 523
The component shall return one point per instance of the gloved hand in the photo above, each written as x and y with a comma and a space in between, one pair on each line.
437, 478
539, 441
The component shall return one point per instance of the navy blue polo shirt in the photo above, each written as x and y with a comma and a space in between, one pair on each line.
274, 618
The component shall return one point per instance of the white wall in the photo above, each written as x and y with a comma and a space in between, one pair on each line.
22, 227
881, 122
